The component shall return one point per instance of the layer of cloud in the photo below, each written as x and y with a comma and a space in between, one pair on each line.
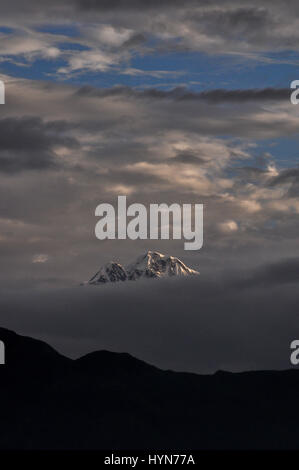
152, 146
187, 325
183, 94
28, 143
110, 34
282, 272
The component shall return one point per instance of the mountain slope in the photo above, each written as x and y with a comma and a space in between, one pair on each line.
113, 401
111, 272
150, 265
154, 264
28, 357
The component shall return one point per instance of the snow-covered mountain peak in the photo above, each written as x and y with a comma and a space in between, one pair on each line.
152, 264
111, 272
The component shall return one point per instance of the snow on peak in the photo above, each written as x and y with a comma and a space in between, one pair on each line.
111, 272
149, 265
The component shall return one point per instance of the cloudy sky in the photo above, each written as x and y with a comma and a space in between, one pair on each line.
165, 101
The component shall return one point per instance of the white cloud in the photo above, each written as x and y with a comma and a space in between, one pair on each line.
228, 226
40, 258
92, 60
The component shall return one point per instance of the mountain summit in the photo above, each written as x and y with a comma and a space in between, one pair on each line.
149, 265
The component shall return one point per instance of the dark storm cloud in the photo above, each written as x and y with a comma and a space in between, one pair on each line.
134, 41
251, 171
183, 94
289, 176
286, 176
247, 13
27, 143
133, 4
232, 22
145, 4
120, 152
33, 133
188, 157
275, 94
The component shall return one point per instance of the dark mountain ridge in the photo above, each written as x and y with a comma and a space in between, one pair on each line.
107, 400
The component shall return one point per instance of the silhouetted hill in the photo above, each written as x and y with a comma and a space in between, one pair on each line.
28, 351
108, 400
